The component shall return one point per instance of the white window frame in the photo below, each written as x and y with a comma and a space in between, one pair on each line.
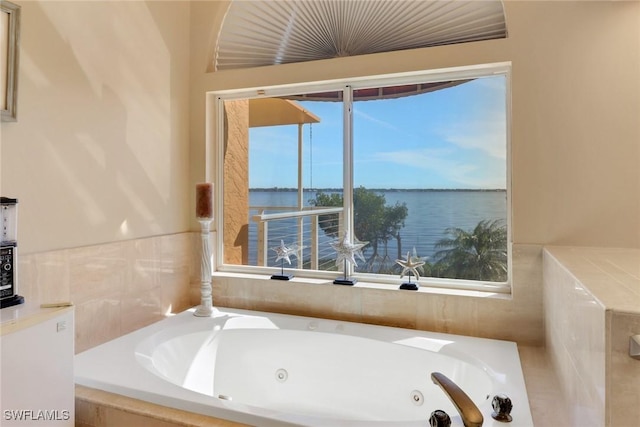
215, 120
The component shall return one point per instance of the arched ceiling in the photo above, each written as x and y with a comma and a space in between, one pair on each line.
257, 33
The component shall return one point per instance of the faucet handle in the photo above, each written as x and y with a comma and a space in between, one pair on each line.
502, 407
439, 418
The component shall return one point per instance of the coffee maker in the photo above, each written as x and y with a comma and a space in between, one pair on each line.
9, 253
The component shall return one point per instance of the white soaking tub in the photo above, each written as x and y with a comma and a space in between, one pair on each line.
268, 369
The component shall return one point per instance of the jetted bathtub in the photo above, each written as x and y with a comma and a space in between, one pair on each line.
268, 369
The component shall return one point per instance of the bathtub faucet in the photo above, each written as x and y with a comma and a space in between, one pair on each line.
469, 412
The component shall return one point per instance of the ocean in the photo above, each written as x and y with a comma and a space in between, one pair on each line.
430, 213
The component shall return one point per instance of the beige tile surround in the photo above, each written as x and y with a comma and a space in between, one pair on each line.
97, 408
119, 287
592, 307
516, 317
116, 287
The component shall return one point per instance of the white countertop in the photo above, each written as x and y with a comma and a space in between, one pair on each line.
22, 316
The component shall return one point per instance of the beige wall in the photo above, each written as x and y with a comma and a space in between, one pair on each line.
576, 133
575, 108
99, 160
100, 151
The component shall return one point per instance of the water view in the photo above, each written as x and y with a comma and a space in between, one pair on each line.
429, 214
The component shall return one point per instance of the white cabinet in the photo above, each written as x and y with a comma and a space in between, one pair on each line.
36, 375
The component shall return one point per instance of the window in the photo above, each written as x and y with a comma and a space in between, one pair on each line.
416, 166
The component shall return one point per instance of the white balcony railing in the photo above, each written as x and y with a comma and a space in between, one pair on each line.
301, 227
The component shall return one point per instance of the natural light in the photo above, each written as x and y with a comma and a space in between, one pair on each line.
415, 168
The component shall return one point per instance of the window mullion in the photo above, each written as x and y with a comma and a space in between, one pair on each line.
347, 165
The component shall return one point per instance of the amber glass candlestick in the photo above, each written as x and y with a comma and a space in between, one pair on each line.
204, 200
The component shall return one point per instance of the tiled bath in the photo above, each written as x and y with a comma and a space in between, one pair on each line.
592, 308
116, 287
516, 317
119, 287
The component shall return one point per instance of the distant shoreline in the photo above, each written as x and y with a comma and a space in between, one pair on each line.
386, 190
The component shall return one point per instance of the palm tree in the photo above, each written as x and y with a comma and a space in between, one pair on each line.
480, 254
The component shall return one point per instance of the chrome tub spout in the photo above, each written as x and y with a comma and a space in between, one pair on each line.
469, 412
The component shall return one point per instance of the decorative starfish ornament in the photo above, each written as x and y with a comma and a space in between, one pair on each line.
358, 252
347, 251
285, 252
417, 258
410, 264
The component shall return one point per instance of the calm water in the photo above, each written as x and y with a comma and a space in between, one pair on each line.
430, 213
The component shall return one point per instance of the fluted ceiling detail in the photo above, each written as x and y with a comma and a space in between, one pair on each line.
256, 33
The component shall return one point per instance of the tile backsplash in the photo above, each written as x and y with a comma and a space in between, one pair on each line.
116, 287
516, 317
584, 303
121, 286
592, 308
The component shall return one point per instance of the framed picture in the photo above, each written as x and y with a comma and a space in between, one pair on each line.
9, 53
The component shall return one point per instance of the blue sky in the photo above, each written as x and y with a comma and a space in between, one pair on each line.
451, 138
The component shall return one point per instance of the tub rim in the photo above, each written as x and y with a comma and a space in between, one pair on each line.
143, 384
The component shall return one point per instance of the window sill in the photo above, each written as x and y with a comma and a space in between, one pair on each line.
361, 284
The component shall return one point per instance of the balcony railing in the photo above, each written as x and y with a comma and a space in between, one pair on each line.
300, 227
